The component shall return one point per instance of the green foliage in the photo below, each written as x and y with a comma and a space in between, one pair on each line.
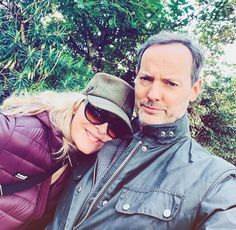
106, 33
213, 117
33, 50
216, 25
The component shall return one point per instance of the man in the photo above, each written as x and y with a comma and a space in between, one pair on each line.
163, 179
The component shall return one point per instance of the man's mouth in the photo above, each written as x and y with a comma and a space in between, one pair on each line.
152, 109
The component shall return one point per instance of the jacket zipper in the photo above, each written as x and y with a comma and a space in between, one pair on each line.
111, 179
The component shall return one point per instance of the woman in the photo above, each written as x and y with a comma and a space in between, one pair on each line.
40, 130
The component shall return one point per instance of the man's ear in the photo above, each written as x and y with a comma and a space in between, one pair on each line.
196, 88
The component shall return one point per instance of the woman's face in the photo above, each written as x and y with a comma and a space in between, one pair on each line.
87, 137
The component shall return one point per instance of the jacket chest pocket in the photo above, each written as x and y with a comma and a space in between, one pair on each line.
160, 204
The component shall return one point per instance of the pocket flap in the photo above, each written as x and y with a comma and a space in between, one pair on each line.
161, 204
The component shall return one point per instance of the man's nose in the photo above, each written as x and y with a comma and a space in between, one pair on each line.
155, 92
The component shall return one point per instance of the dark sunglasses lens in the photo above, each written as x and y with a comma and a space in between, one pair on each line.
94, 115
117, 128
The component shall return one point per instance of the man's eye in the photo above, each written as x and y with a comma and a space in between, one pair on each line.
146, 78
170, 83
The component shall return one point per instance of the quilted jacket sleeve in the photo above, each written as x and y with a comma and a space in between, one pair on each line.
24, 152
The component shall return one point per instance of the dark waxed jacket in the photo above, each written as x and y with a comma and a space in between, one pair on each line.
26, 144
163, 180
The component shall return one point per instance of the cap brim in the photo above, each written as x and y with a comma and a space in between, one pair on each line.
110, 107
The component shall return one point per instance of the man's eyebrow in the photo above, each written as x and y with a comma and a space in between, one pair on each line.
175, 80
146, 75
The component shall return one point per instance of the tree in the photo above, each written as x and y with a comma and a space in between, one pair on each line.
107, 32
213, 116
33, 50
104, 33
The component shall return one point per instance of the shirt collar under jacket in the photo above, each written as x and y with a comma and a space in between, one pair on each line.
168, 133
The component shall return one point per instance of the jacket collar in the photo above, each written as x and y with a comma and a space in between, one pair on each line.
168, 133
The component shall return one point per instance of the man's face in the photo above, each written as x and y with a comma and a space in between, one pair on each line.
163, 84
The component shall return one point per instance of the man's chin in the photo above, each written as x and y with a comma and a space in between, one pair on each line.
147, 121
150, 120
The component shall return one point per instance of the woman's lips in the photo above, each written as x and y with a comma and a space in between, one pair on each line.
93, 137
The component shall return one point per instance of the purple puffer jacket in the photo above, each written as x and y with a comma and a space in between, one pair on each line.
26, 144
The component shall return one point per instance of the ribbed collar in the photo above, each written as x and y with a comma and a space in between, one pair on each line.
167, 133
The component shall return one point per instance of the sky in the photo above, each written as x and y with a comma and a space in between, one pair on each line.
230, 53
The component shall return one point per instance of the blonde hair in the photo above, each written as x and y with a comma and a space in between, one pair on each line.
60, 106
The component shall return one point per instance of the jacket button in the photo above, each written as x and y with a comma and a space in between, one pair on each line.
77, 177
171, 133
144, 148
104, 202
78, 189
163, 133
126, 207
166, 213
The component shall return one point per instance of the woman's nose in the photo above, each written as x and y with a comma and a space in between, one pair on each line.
102, 129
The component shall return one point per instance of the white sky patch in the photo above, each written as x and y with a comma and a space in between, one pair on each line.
230, 53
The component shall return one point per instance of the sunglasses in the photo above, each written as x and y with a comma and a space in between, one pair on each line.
116, 126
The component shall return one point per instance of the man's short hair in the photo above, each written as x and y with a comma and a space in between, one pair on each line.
164, 38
